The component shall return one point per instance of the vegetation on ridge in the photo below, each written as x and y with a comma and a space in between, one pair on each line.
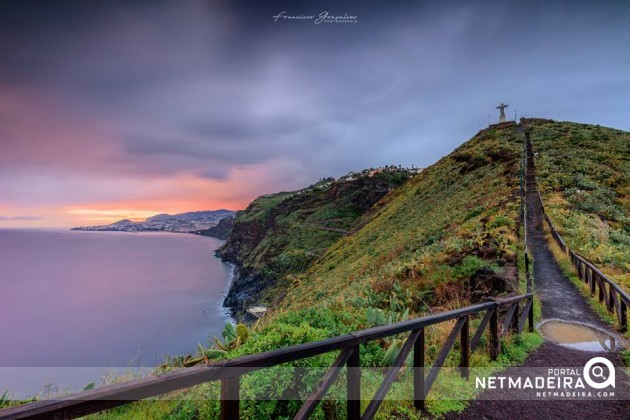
431, 235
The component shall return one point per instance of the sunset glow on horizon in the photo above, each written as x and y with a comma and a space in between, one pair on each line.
108, 216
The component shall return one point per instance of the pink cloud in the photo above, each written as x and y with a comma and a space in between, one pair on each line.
35, 134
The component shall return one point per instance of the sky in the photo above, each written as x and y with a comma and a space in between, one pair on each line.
124, 109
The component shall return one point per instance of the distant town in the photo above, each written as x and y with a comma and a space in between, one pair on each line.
184, 222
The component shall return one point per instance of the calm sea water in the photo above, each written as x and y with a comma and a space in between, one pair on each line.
85, 301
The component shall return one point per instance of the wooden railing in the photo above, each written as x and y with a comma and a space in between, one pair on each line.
499, 317
527, 173
616, 299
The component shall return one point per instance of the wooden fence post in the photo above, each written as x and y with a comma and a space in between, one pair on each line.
465, 349
418, 372
600, 285
515, 319
531, 315
526, 262
611, 299
353, 384
495, 344
623, 315
230, 389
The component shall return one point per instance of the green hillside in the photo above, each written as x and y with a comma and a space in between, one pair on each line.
284, 233
431, 235
583, 176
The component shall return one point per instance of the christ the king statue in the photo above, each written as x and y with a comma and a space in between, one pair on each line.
502, 114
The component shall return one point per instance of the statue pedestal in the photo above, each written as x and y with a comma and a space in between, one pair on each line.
502, 119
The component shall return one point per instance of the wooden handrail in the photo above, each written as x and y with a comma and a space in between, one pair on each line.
617, 299
624, 295
229, 371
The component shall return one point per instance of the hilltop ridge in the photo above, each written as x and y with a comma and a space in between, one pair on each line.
450, 235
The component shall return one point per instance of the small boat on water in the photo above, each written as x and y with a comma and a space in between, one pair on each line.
258, 310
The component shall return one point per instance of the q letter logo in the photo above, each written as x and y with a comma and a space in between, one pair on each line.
598, 372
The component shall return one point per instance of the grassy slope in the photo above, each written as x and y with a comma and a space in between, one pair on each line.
299, 226
465, 204
291, 238
583, 175
282, 234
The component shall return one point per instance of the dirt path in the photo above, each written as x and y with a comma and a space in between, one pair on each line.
560, 299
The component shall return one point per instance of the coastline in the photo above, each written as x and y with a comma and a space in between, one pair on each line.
226, 311
192, 317
243, 291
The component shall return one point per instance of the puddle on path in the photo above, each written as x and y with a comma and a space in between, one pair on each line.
577, 336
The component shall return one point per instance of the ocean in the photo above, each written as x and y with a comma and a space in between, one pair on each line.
76, 305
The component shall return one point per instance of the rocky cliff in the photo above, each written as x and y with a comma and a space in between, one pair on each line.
279, 235
221, 230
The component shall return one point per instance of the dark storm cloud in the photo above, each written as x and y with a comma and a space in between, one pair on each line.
202, 87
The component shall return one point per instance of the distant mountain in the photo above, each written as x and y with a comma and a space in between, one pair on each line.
193, 221
193, 216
